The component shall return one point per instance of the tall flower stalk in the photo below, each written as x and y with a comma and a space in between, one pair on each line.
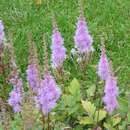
49, 92
103, 66
111, 94
4, 107
15, 96
105, 72
58, 50
33, 78
33, 74
83, 40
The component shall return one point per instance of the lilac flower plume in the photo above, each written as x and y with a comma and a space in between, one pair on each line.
111, 93
32, 76
48, 94
1, 32
58, 50
103, 66
32, 71
15, 96
15, 99
82, 38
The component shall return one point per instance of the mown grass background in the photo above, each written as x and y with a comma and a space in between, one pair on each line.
107, 18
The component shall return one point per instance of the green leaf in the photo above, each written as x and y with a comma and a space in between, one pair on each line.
115, 120
67, 100
91, 90
128, 115
89, 107
74, 87
100, 115
107, 126
123, 103
86, 120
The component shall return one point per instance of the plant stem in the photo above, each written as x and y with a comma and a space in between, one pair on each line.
48, 122
99, 105
43, 121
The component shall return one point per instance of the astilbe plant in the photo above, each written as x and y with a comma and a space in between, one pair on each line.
106, 73
33, 78
58, 50
15, 96
33, 74
82, 38
83, 41
4, 107
103, 66
111, 93
48, 92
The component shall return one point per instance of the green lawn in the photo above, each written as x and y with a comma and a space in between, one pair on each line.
107, 18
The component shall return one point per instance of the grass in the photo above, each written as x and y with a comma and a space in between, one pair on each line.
107, 18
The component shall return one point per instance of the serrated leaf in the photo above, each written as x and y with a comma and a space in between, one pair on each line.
116, 120
86, 121
107, 126
89, 107
74, 87
67, 100
73, 109
91, 90
100, 115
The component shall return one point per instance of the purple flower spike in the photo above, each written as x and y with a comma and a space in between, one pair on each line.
58, 50
33, 76
111, 93
48, 94
15, 99
103, 66
2, 34
82, 38
16, 95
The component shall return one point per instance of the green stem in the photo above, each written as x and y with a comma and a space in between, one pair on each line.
48, 122
43, 121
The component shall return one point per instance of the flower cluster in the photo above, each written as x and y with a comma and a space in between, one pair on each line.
58, 49
48, 94
33, 76
111, 89
82, 38
111, 93
103, 66
33, 67
1, 32
15, 96
15, 99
